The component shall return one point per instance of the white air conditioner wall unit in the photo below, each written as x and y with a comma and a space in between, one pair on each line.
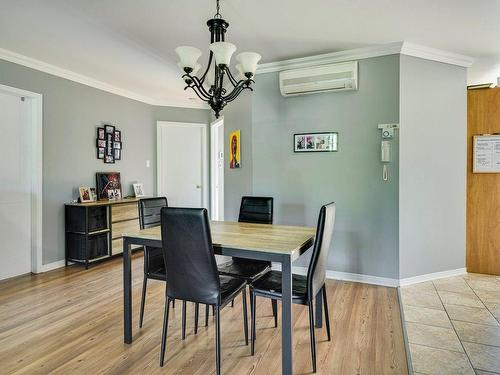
323, 78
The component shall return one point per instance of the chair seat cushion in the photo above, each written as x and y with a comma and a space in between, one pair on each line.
249, 270
230, 287
269, 285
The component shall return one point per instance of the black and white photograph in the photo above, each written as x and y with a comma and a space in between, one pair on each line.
100, 133
110, 129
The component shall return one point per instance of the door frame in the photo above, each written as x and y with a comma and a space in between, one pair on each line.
36, 157
215, 127
160, 125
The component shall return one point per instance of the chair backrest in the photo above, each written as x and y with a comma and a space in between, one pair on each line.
149, 211
316, 273
256, 210
189, 256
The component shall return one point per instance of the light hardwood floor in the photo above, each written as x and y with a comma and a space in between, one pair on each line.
69, 321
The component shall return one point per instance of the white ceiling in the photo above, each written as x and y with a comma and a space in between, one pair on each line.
130, 43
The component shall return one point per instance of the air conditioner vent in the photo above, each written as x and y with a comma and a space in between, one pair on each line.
323, 78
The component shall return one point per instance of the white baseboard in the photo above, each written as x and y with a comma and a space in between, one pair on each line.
346, 276
360, 278
431, 276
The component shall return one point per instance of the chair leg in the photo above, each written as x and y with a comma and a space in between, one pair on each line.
217, 340
164, 332
213, 310
253, 302
196, 314
327, 317
173, 303
232, 303
207, 308
245, 316
313, 339
143, 300
183, 320
275, 312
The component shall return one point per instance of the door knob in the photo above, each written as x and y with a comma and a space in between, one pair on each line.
198, 186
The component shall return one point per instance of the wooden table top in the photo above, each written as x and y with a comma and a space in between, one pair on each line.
280, 239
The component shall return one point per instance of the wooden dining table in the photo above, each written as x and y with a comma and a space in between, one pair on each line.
275, 243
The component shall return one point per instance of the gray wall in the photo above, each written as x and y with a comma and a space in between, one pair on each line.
238, 182
366, 236
71, 113
432, 167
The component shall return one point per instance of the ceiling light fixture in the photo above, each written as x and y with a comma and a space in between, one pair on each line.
210, 87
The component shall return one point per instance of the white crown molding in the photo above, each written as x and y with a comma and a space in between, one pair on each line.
431, 276
403, 48
433, 54
29, 62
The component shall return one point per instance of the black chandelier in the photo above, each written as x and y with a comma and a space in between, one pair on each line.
210, 87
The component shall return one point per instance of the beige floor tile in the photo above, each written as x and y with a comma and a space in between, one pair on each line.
435, 337
488, 295
478, 276
487, 284
423, 315
454, 284
427, 286
471, 314
483, 357
451, 298
494, 308
421, 299
477, 333
479, 372
433, 361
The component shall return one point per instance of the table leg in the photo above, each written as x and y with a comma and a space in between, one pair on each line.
319, 309
127, 292
286, 320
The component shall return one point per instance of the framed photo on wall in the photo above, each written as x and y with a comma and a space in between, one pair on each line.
100, 133
110, 129
315, 142
235, 149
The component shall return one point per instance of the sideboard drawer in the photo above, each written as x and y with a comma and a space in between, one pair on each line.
122, 227
125, 211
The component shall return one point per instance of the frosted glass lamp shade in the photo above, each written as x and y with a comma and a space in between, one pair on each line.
188, 56
241, 74
195, 69
223, 52
248, 61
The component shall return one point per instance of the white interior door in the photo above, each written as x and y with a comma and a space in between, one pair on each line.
182, 158
217, 169
15, 185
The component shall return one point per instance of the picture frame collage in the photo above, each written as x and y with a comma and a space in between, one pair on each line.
109, 144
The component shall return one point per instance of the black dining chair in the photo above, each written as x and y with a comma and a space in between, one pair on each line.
257, 210
192, 270
304, 288
154, 265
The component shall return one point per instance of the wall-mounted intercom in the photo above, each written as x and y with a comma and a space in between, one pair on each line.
388, 132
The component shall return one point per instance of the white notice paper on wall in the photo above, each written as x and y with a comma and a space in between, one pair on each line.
486, 154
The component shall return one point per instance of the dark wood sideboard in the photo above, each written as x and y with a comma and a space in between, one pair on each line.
94, 230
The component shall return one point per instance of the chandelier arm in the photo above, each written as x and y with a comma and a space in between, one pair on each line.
199, 84
243, 88
231, 78
236, 91
198, 94
202, 79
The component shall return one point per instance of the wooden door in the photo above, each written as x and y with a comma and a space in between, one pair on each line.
483, 189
